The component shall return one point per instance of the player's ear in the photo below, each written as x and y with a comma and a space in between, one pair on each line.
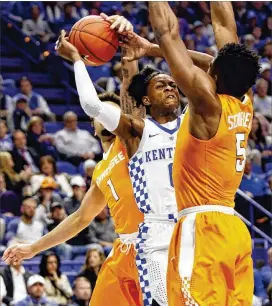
146, 101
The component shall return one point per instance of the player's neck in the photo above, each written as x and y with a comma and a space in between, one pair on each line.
164, 118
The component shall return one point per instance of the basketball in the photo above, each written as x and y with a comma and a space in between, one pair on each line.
94, 39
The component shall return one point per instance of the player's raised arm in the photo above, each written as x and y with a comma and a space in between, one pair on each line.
140, 47
223, 22
197, 85
224, 26
92, 204
129, 69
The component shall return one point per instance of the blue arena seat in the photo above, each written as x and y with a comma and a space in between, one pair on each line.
51, 93
53, 127
66, 167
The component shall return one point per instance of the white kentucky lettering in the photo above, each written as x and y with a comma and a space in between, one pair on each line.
114, 161
239, 119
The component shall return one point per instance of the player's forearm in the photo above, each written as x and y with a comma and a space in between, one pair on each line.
223, 22
129, 69
201, 60
67, 229
166, 30
106, 114
223, 15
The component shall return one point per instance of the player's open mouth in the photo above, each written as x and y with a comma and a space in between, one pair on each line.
171, 97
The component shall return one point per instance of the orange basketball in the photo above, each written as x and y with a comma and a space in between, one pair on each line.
94, 39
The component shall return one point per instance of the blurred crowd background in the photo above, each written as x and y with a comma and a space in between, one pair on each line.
48, 150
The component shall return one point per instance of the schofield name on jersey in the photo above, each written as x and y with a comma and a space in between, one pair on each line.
114, 161
240, 119
159, 154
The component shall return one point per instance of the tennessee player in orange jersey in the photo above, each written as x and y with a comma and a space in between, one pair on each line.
210, 253
118, 281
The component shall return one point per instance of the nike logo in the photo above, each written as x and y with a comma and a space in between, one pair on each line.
153, 135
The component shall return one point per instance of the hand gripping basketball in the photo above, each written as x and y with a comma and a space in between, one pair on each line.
65, 49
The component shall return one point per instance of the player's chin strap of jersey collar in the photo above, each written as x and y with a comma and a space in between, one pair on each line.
127, 240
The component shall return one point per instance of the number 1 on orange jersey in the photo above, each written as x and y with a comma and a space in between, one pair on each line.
113, 191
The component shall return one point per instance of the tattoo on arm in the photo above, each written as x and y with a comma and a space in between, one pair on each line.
126, 103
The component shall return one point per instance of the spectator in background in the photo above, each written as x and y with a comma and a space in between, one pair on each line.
78, 10
22, 155
45, 197
10, 204
267, 29
252, 184
57, 286
75, 144
263, 102
36, 290
48, 167
208, 29
82, 292
37, 140
25, 229
268, 52
259, 43
93, 263
36, 26
88, 166
53, 14
15, 278
79, 190
258, 141
102, 231
259, 290
21, 114
36, 102
68, 20
265, 73
249, 41
200, 39
5, 138
14, 181
114, 82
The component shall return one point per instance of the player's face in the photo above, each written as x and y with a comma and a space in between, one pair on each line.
163, 93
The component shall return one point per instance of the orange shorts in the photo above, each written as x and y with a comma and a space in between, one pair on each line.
209, 261
117, 283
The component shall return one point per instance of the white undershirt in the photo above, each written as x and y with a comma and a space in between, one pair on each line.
19, 287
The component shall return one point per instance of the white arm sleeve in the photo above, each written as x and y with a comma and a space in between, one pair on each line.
106, 114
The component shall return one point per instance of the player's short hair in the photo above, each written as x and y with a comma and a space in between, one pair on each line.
109, 97
139, 83
237, 68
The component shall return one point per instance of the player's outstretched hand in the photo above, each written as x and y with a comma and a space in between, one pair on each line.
118, 22
18, 252
65, 49
137, 45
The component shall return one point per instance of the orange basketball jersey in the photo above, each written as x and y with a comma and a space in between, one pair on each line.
112, 178
210, 171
